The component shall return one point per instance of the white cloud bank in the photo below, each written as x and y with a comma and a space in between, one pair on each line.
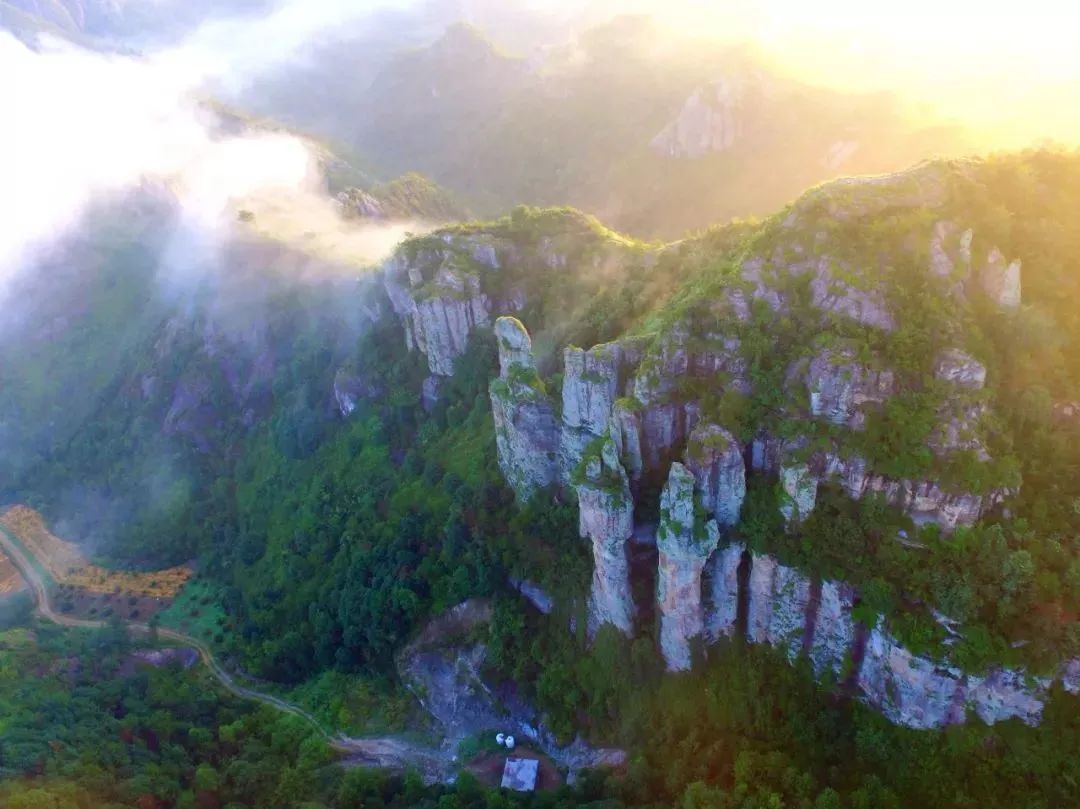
80, 124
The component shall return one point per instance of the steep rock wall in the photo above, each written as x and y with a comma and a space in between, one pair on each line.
787, 610
833, 636
592, 382
722, 574
715, 459
526, 431
606, 517
684, 547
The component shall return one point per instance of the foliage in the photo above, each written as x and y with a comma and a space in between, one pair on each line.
84, 725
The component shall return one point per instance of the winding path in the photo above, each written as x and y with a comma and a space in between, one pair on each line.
391, 753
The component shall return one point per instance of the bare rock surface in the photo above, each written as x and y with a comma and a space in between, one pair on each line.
606, 517
723, 578
684, 548
715, 459
526, 430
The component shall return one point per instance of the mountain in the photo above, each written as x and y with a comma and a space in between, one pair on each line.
844, 437
875, 342
654, 132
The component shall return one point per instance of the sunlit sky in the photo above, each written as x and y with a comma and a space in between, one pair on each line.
1041, 35
1013, 65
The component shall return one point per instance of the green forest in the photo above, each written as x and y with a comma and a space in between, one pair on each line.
326, 544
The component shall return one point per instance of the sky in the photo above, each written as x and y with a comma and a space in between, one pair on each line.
1011, 68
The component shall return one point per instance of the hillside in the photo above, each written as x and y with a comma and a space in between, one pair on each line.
628, 121
844, 437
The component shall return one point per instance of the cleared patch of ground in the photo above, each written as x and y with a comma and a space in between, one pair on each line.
488, 768
65, 563
10, 580
78, 603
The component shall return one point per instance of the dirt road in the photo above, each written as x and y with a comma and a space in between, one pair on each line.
434, 764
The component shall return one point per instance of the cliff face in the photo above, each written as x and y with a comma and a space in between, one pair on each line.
788, 610
700, 400
438, 294
711, 120
591, 384
722, 608
839, 388
526, 434
685, 544
606, 517
716, 462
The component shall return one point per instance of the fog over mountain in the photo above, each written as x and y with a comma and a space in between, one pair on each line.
539, 404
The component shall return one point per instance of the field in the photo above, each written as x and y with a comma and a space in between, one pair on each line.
70, 569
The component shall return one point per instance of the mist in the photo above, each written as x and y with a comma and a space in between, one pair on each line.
89, 124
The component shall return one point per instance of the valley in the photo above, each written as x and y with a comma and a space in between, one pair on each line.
689, 393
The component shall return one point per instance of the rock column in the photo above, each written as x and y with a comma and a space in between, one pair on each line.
526, 433
685, 543
716, 462
606, 517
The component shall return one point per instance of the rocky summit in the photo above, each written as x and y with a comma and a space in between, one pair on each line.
671, 404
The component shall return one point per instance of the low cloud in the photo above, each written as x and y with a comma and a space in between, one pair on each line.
86, 125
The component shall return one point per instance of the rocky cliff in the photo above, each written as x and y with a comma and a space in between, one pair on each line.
525, 429
685, 542
778, 366
715, 459
606, 518
711, 120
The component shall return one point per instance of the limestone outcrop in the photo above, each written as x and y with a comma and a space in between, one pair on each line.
839, 387
684, 542
715, 459
799, 486
710, 121
590, 387
638, 410
777, 606
1000, 279
907, 689
526, 431
606, 517
961, 369
350, 388
722, 575
626, 429
951, 258
1070, 675
515, 346
788, 610
832, 630
950, 252
1007, 694
924, 501
760, 597
437, 292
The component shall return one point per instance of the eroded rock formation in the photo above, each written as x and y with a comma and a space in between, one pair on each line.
839, 387
716, 462
526, 431
606, 517
590, 387
438, 294
685, 543
710, 121
722, 574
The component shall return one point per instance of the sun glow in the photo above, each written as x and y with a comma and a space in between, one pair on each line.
1010, 69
